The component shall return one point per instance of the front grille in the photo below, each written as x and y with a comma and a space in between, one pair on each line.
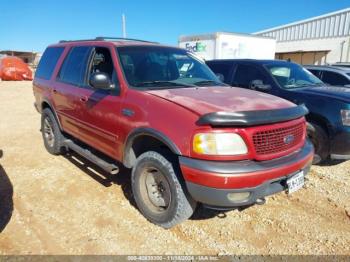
278, 140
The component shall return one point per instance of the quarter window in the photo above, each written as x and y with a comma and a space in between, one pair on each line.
48, 62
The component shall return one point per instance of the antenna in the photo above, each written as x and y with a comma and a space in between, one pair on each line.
123, 26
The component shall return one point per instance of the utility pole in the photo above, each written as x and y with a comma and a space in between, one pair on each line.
341, 51
123, 26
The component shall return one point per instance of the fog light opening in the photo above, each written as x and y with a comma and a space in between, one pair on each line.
238, 197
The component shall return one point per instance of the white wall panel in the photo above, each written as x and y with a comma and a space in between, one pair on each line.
335, 24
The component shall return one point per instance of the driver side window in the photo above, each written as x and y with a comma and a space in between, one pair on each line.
102, 62
246, 74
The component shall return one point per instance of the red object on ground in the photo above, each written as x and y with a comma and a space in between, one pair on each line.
13, 68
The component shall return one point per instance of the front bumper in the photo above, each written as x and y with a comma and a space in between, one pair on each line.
210, 182
340, 145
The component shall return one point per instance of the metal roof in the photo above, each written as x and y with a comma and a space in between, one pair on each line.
334, 24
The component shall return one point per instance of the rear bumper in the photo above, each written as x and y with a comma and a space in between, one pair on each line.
340, 146
210, 182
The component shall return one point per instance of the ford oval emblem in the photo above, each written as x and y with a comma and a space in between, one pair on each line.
288, 139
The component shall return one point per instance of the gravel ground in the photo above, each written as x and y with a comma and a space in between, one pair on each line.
56, 205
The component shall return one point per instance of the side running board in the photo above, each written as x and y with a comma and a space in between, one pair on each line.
106, 165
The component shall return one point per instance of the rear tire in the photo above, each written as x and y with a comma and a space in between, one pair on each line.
51, 132
159, 191
319, 139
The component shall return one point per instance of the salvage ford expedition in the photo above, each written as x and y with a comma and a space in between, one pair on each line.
161, 112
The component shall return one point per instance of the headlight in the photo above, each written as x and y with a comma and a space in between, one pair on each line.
219, 144
345, 117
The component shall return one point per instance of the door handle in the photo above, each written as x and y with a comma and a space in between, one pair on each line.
83, 99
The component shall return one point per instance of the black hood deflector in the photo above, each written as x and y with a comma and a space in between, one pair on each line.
252, 118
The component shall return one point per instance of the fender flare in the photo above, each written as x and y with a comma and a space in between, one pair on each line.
319, 120
146, 131
45, 101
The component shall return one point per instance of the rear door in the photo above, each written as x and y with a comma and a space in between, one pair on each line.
69, 94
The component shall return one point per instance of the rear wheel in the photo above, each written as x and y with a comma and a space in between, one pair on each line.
319, 139
159, 192
51, 132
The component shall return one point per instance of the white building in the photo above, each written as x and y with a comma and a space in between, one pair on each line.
319, 40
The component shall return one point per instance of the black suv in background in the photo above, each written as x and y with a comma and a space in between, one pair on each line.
331, 75
329, 117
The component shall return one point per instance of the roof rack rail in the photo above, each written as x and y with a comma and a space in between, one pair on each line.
103, 38
78, 40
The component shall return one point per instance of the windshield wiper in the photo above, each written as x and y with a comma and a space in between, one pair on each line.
209, 82
160, 83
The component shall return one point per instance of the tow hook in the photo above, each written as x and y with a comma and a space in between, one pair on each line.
260, 201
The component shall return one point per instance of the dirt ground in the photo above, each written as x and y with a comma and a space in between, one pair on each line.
55, 205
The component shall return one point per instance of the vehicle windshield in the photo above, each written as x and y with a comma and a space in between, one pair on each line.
290, 76
154, 67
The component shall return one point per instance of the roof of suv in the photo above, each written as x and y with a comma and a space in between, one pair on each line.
118, 41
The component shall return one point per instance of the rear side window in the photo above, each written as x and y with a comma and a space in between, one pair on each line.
335, 79
48, 62
74, 67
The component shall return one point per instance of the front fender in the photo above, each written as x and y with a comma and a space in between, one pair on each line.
128, 156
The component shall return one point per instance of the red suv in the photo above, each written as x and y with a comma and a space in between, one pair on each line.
162, 112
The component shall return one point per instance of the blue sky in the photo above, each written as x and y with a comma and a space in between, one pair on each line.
33, 24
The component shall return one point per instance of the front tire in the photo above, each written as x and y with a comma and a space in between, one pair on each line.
319, 139
159, 192
51, 132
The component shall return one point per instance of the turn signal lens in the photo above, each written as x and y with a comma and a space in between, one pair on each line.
345, 117
219, 144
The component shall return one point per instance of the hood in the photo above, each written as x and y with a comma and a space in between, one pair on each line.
204, 100
336, 92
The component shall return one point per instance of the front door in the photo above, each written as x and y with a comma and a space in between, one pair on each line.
102, 107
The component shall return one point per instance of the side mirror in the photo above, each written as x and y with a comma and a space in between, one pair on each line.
101, 80
259, 85
220, 77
